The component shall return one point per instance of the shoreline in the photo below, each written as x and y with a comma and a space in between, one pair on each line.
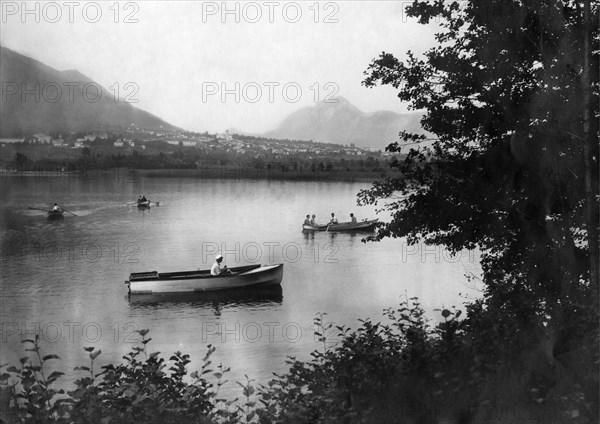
211, 174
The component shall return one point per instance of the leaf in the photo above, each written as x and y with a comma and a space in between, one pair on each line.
54, 375
88, 349
51, 356
84, 368
94, 355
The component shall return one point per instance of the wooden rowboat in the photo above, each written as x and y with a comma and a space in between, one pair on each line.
314, 227
367, 225
146, 204
199, 281
56, 215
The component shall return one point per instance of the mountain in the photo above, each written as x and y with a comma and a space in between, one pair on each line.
38, 98
344, 123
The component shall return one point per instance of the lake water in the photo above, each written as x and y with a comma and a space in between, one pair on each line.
64, 279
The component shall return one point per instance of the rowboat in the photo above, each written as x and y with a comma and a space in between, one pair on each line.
55, 215
367, 225
200, 281
143, 205
314, 227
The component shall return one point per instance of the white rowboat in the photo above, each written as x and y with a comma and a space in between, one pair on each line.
200, 281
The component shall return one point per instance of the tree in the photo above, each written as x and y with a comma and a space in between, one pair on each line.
514, 171
501, 91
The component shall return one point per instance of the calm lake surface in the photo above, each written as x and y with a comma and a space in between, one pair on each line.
65, 279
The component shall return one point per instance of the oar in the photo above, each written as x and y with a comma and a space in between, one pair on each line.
38, 209
69, 212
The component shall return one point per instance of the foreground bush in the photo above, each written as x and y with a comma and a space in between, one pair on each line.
145, 388
487, 367
482, 369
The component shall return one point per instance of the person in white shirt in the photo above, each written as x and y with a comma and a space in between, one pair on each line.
217, 269
55, 208
352, 218
313, 220
333, 219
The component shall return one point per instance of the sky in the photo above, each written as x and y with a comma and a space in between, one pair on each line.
210, 66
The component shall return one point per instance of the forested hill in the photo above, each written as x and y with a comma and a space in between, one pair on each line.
38, 98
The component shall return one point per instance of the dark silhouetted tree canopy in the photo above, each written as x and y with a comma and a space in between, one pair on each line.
502, 91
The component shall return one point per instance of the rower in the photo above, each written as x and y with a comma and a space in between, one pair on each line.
217, 269
55, 207
333, 219
307, 220
352, 218
313, 220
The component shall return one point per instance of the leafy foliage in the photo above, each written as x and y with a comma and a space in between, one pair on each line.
505, 170
473, 369
501, 91
145, 388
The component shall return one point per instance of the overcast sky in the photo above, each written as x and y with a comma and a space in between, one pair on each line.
181, 55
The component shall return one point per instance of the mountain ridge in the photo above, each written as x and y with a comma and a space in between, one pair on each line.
341, 122
39, 98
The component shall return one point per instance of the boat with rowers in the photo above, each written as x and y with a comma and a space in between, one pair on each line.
144, 203
200, 281
54, 214
366, 225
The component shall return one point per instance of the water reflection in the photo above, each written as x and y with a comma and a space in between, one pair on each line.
253, 297
308, 235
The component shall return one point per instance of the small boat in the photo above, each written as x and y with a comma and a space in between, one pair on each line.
143, 205
366, 225
314, 227
56, 215
200, 281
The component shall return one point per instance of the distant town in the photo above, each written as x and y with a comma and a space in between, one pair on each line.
145, 149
